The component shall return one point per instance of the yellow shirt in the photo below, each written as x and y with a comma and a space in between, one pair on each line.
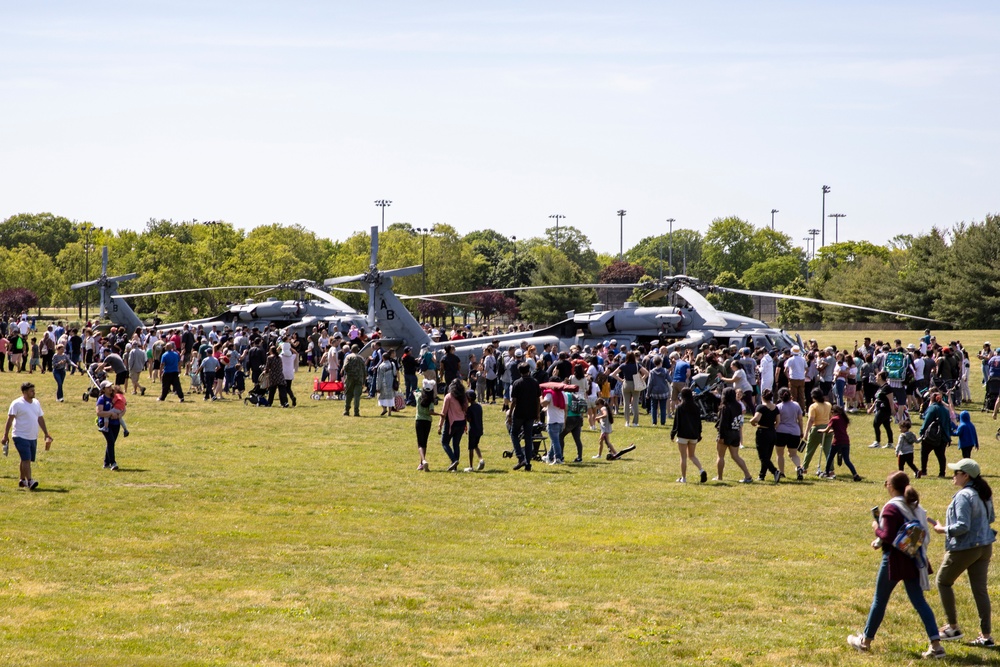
819, 413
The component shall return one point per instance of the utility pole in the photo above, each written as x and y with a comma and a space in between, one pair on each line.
383, 203
826, 190
621, 234
423, 258
557, 217
814, 233
670, 260
836, 225
773, 211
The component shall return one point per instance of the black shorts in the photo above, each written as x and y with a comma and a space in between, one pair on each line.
731, 439
474, 440
787, 440
899, 393
156, 364
121, 378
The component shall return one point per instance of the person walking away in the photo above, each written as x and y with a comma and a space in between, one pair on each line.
170, 363
968, 547
136, 362
841, 448
554, 404
819, 418
905, 447
452, 425
410, 365
626, 374
765, 419
386, 382
968, 439
354, 380
687, 432
681, 378
576, 409
109, 423
525, 407
883, 406
788, 432
606, 420
730, 428
423, 421
25, 415
474, 418
207, 370
935, 434
658, 391
897, 566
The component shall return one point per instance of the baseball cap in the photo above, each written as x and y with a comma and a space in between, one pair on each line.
518, 352
968, 466
105, 384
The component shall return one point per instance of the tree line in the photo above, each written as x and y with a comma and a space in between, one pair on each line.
945, 274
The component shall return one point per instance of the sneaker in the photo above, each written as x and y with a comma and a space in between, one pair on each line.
933, 653
21, 484
426, 466
142, 391
919, 474
777, 476
611, 457
482, 464
704, 476
950, 633
559, 462
887, 446
982, 641
520, 464
113, 467
857, 478
467, 470
32, 484
578, 459
453, 467
596, 456
125, 433
799, 474
857, 643
681, 480
746, 480
874, 445
760, 478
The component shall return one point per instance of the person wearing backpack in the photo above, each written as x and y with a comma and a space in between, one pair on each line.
935, 434
968, 546
897, 565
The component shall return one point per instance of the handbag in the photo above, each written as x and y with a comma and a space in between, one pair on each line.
638, 384
399, 402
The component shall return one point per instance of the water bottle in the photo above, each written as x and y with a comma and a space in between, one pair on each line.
6, 446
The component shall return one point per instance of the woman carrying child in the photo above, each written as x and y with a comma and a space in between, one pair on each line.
110, 420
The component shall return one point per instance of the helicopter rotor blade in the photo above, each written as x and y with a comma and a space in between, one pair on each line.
405, 271
329, 282
829, 303
374, 257
193, 289
701, 305
104, 264
529, 287
371, 305
89, 283
103, 288
349, 289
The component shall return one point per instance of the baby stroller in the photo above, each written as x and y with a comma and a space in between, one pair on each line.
257, 396
539, 439
96, 378
707, 399
992, 392
326, 390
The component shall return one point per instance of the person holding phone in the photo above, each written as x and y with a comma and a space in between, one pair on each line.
896, 566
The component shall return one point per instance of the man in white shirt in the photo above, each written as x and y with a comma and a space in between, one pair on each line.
26, 416
795, 366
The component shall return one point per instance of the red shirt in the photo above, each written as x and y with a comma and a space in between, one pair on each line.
839, 426
901, 566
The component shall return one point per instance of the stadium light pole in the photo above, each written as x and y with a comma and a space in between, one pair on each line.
383, 203
621, 234
670, 255
88, 230
814, 233
423, 258
513, 240
836, 225
826, 190
773, 211
557, 217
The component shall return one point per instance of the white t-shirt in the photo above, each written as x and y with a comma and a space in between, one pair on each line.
553, 415
24, 327
25, 418
796, 367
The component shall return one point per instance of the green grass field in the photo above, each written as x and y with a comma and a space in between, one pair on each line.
242, 536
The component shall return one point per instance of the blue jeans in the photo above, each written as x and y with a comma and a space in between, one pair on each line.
555, 442
658, 404
521, 429
883, 589
452, 434
411, 388
59, 374
839, 389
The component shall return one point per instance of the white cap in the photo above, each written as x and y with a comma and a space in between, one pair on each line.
429, 385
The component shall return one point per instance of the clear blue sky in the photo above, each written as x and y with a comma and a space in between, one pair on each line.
307, 112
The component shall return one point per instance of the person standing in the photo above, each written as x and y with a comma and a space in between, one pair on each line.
170, 363
687, 432
795, 368
896, 566
289, 362
354, 380
968, 547
935, 434
60, 362
525, 406
26, 416
386, 382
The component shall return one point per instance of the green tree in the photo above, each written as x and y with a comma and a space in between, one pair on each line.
971, 282
47, 232
924, 264
728, 247
576, 246
739, 304
773, 273
649, 251
28, 266
547, 306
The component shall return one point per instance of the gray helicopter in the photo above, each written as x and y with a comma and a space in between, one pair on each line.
676, 327
296, 315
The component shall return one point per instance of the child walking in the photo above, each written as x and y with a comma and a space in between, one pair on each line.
605, 419
474, 418
905, 446
841, 448
423, 422
883, 406
967, 436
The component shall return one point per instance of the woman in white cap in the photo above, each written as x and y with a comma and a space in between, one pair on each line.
968, 547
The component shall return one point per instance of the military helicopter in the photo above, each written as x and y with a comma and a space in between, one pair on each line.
675, 327
297, 315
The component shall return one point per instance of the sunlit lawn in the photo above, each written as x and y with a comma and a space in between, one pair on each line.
242, 536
